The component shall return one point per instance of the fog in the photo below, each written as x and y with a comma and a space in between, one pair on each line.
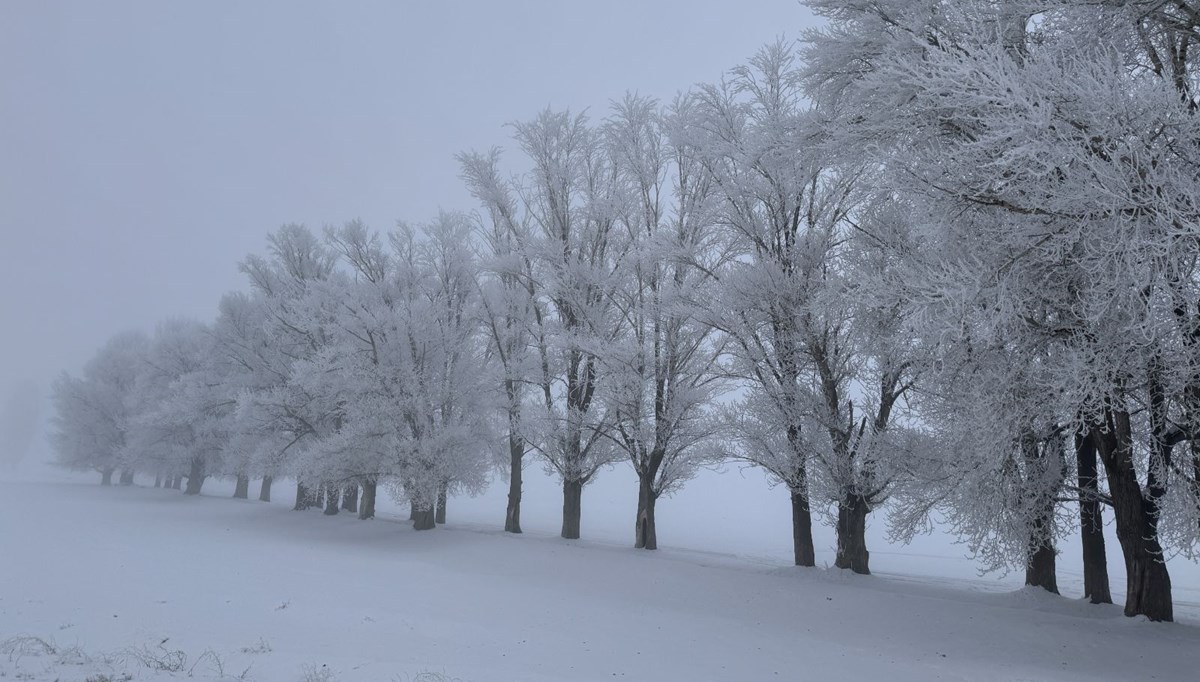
147, 147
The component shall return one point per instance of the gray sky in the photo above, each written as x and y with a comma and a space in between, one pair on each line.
146, 147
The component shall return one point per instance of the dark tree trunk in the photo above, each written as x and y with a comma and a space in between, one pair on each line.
177, 482
366, 507
802, 539
423, 520
645, 532
516, 452
158, 480
572, 508
1043, 468
318, 496
1039, 564
1091, 523
852, 534
1148, 585
350, 499
332, 503
195, 479
106, 476
440, 514
241, 491
264, 492
412, 511
126, 476
303, 497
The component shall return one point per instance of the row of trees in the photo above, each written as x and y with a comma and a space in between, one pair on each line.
943, 256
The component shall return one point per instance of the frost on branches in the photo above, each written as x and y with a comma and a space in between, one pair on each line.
1050, 152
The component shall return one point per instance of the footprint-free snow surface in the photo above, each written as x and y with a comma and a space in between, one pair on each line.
145, 584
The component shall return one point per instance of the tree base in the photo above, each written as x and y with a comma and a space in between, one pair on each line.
366, 505
852, 535
423, 520
572, 509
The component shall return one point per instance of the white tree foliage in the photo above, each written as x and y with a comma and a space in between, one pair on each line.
93, 411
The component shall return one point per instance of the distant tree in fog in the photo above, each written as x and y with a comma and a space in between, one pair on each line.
248, 361
93, 411
402, 368
276, 411
181, 406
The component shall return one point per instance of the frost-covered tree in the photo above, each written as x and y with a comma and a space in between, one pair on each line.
250, 362
867, 367
180, 406
661, 371
569, 201
1046, 147
402, 365
279, 411
783, 204
452, 403
508, 303
92, 411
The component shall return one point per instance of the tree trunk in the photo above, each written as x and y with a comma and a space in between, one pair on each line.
303, 497
802, 539
852, 534
241, 491
126, 476
1091, 523
423, 519
516, 452
572, 508
264, 492
440, 514
158, 480
1148, 585
1039, 564
332, 501
106, 476
350, 499
177, 482
645, 532
366, 507
195, 478
1043, 469
412, 510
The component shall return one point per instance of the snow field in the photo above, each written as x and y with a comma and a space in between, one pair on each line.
246, 590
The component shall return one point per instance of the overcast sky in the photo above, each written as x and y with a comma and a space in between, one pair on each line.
145, 148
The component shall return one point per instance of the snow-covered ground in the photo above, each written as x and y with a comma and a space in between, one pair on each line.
122, 581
